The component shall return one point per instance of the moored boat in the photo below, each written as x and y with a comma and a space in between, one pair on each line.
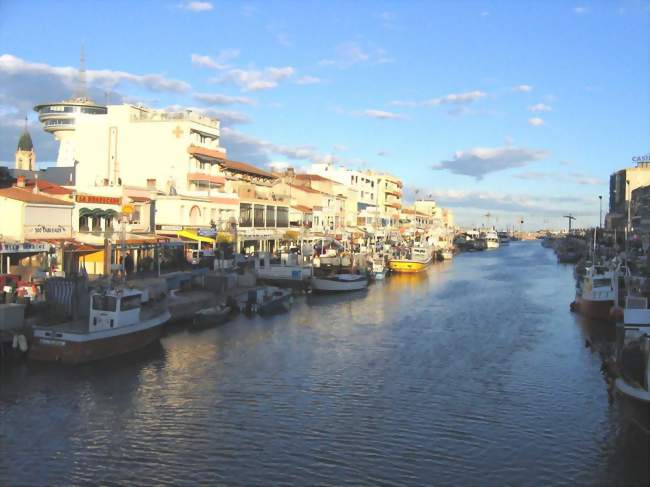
633, 344
596, 293
212, 316
275, 300
339, 283
118, 323
419, 260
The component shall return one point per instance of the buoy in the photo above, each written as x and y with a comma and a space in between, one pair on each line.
22, 343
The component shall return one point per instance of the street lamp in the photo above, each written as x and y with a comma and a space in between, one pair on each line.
600, 217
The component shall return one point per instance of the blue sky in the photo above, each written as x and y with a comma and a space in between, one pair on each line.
519, 109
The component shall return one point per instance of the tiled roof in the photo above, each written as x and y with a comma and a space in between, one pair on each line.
247, 168
47, 187
203, 151
27, 196
315, 177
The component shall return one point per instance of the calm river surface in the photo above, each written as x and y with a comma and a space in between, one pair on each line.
475, 373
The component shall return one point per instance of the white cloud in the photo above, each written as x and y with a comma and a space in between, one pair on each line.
197, 6
12, 66
220, 62
485, 13
540, 107
308, 80
226, 117
248, 148
523, 88
479, 161
452, 98
574, 177
256, 79
218, 99
535, 121
279, 165
580, 10
351, 53
382, 114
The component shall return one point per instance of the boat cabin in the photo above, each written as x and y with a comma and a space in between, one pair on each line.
114, 308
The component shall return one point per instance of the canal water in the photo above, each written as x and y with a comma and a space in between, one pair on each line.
474, 373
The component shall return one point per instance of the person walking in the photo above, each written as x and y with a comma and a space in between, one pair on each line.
128, 264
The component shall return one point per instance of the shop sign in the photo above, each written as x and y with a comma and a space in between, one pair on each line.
17, 248
48, 231
171, 228
645, 158
102, 200
206, 232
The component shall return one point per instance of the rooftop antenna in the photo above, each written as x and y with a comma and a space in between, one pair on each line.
570, 217
81, 82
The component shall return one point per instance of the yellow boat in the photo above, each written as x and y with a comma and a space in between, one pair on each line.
420, 260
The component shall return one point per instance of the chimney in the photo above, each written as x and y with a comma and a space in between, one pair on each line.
20, 182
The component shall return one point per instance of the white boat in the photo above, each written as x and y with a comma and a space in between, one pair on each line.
118, 323
446, 254
339, 283
633, 343
289, 271
378, 268
596, 293
491, 239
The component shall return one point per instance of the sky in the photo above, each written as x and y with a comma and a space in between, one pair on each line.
519, 110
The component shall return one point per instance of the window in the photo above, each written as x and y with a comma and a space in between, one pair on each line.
130, 302
282, 216
245, 215
259, 216
602, 282
83, 223
97, 224
270, 216
104, 303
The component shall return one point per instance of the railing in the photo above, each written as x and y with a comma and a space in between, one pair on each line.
154, 116
636, 302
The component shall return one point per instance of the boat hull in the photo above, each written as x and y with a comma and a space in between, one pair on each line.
69, 349
324, 285
409, 266
597, 310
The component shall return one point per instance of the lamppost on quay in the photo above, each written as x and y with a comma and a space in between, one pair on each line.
600, 217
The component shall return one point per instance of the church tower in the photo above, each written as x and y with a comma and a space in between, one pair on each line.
25, 155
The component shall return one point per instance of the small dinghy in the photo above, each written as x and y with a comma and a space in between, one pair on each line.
275, 300
213, 316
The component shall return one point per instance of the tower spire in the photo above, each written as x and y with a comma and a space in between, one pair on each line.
81, 82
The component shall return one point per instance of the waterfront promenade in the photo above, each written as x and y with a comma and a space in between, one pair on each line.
474, 373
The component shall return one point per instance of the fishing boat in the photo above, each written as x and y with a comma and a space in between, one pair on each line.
491, 239
504, 238
446, 254
418, 260
288, 271
378, 268
121, 320
633, 343
339, 283
596, 292
212, 316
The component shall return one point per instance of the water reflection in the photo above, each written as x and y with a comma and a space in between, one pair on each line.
474, 373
